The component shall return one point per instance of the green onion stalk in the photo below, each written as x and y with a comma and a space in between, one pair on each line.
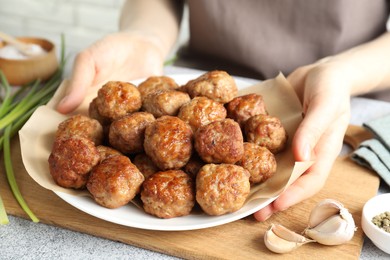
15, 109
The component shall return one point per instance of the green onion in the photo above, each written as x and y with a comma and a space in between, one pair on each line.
11, 176
170, 61
15, 110
3, 214
7, 100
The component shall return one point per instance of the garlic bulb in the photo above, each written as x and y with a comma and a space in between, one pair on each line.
281, 240
330, 223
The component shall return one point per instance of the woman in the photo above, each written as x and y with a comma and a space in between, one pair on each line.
330, 50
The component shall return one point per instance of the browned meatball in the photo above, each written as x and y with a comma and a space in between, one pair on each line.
116, 99
222, 188
154, 83
243, 107
106, 152
259, 162
145, 165
220, 142
114, 182
168, 194
83, 126
93, 112
168, 141
165, 102
193, 166
71, 161
267, 131
127, 133
201, 111
217, 85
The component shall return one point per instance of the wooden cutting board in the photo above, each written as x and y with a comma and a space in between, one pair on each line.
243, 239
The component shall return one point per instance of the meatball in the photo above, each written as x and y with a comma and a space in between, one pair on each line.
145, 165
222, 188
168, 194
217, 85
71, 161
116, 99
93, 112
83, 126
106, 152
165, 102
267, 131
154, 83
127, 133
193, 165
259, 162
114, 182
201, 111
243, 107
219, 142
168, 141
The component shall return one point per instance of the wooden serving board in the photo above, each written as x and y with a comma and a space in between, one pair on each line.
243, 239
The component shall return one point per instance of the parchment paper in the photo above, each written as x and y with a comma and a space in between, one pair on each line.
37, 136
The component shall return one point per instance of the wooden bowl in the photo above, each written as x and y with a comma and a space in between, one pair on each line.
23, 71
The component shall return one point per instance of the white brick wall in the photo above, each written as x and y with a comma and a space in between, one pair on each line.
81, 21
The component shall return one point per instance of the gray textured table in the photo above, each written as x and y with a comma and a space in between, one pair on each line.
23, 239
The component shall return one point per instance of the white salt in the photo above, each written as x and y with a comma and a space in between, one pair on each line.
11, 52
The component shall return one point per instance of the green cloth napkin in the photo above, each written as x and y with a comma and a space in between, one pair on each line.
375, 153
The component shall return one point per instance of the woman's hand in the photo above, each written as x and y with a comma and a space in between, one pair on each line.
324, 89
122, 56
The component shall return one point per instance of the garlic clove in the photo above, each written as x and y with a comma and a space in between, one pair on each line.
281, 240
330, 229
324, 210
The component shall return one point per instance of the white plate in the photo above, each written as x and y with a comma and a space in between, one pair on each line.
132, 216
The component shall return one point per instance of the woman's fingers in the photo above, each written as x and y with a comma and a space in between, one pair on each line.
264, 213
320, 135
303, 188
82, 78
119, 56
314, 178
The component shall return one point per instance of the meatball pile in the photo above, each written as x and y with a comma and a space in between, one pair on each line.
172, 146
